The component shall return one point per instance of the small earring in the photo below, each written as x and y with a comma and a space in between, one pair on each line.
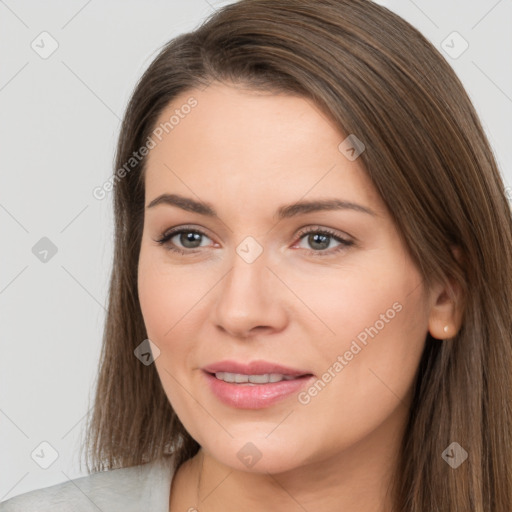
446, 328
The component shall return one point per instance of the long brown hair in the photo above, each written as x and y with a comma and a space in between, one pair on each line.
377, 77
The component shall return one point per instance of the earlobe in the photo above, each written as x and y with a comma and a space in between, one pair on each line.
448, 332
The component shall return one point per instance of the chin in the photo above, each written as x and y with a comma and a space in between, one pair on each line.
255, 454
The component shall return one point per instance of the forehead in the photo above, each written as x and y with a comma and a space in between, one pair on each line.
230, 115
251, 142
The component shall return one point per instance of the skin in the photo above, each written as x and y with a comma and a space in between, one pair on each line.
247, 153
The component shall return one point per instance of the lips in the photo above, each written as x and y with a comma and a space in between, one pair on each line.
254, 385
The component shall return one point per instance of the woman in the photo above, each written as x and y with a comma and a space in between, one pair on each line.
310, 305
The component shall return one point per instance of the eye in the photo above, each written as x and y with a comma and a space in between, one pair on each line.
189, 238
320, 239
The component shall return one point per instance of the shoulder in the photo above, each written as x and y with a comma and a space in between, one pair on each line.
144, 487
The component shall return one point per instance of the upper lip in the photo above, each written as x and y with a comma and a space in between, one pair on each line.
253, 368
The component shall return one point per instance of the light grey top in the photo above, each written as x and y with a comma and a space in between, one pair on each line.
134, 489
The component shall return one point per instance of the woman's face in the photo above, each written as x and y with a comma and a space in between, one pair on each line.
262, 275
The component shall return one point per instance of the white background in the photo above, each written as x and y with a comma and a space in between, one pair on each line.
60, 119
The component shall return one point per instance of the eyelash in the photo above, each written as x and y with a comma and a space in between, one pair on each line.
344, 244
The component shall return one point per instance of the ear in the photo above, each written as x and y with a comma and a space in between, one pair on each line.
445, 318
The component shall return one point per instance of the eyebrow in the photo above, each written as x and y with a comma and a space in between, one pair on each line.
283, 212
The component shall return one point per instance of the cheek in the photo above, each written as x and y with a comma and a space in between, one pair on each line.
363, 300
165, 299
171, 305
377, 325
166, 296
381, 326
153, 295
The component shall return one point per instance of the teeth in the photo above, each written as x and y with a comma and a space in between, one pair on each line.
240, 378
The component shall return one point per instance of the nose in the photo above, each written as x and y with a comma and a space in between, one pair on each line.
250, 300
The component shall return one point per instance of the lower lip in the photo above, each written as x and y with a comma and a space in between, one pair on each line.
258, 396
